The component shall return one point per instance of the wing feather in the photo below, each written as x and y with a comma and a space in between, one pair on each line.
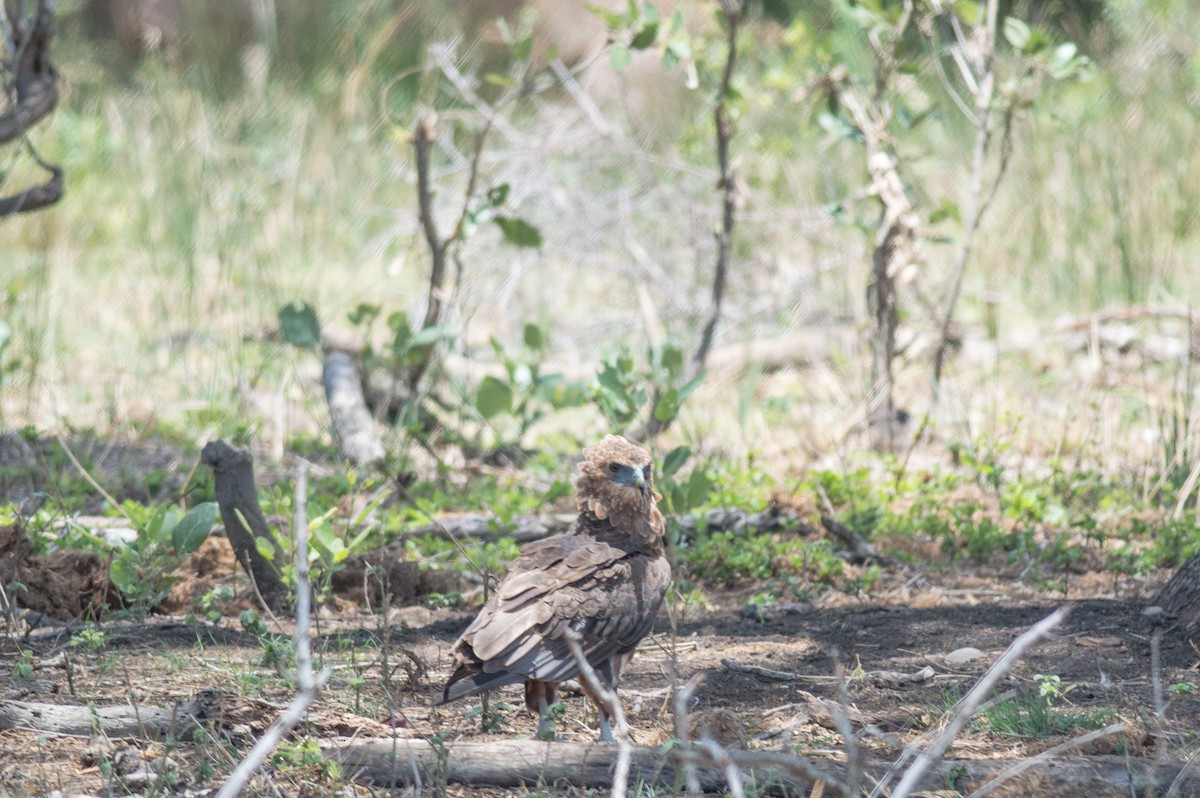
607, 593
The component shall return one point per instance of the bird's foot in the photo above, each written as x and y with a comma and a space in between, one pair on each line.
606, 735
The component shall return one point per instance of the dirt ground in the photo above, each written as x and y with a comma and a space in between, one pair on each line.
766, 673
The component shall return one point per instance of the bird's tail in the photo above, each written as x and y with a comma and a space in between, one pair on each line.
468, 681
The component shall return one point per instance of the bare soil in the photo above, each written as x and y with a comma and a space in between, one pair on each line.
767, 674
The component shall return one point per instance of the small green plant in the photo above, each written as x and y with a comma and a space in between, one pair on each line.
22, 669
451, 599
494, 719
555, 713
1039, 712
523, 395
304, 759
1182, 688
1051, 688
655, 392
253, 623
144, 570
89, 641
212, 604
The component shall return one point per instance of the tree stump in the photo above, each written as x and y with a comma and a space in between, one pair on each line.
1180, 598
237, 497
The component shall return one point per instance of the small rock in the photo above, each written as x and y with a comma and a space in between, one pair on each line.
961, 656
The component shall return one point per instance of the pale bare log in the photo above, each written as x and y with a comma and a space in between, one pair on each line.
353, 425
517, 763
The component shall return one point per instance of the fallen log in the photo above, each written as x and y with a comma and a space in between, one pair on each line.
125, 722
524, 763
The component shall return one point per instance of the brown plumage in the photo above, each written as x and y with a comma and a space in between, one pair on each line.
605, 579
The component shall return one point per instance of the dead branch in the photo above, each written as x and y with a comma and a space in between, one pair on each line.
526, 528
923, 759
439, 248
237, 497
353, 426
860, 550
33, 94
35, 197
308, 684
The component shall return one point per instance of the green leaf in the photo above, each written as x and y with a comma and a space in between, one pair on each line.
667, 406
675, 460
519, 232
645, 37
946, 209
497, 195
430, 335
620, 57
499, 80
123, 574
493, 397
535, 338
364, 314
698, 486
300, 325
611, 18
523, 49
194, 528
672, 359
1017, 32
162, 523
265, 548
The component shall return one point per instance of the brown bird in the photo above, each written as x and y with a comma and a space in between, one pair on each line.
605, 579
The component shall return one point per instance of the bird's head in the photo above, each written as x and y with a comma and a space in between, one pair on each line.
615, 477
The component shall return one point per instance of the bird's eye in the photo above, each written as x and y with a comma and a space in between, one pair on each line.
613, 468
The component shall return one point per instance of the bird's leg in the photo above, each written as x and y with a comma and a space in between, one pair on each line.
606, 735
607, 673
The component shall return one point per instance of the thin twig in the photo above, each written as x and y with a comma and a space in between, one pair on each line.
683, 731
308, 684
62, 442
967, 706
840, 712
612, 705
723, 758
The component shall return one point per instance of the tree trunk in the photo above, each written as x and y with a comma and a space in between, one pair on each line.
883, 341
237, 497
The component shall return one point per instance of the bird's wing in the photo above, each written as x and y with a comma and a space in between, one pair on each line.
607, 594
